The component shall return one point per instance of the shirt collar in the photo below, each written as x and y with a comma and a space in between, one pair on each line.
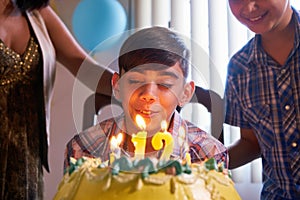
296, 16
176, 123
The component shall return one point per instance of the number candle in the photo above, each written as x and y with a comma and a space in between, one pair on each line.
139, 139
159, 137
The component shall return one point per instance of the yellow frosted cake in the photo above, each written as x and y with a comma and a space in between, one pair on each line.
147, 179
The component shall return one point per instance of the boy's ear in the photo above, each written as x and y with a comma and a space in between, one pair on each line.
188, 92
115, 85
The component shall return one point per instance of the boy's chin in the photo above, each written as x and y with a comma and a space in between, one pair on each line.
153, 128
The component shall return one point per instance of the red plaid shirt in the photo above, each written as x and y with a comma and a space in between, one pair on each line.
94, 142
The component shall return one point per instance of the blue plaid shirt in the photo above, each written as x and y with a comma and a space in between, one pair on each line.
94, 142
265, 96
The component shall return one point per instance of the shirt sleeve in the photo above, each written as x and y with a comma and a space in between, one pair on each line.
233, 109
76, 150
204, 146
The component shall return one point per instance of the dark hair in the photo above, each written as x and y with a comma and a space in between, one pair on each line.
28, 5
156, 45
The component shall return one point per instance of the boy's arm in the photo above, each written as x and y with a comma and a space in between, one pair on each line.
244, 150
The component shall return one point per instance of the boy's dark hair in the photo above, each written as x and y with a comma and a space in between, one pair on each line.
155, 45
28, 5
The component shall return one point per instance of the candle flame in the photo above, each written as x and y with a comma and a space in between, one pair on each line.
119, 138
116, 141
140, 122
164, 125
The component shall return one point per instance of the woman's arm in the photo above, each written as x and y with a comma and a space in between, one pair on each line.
73, 56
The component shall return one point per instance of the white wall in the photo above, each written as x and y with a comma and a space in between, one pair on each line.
62, 129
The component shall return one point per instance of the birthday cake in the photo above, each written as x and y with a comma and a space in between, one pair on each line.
126, 179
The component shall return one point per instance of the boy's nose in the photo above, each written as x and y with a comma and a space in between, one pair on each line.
250, 6
149, 92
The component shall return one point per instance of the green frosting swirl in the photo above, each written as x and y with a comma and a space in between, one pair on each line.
146, 166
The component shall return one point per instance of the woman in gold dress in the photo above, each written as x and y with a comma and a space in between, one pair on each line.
31, 38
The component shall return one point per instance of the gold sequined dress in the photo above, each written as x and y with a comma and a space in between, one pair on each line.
22, 125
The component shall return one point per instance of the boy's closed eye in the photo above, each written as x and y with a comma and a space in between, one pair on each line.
161, 85
135, 81
165, 85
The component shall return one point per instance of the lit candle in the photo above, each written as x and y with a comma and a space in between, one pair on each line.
188, 158
159, 137
115, 147
139, 139
184, 147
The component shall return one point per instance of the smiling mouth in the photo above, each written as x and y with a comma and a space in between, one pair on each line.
257, 18
254, 19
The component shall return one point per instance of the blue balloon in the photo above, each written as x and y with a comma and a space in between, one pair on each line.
94, 21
